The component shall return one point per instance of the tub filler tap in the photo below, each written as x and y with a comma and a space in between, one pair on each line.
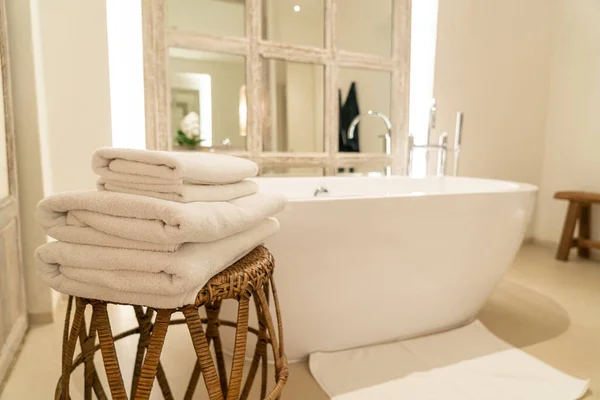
441, 147
320, 190
387, 135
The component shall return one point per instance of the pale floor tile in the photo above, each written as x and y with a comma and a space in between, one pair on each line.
548, 308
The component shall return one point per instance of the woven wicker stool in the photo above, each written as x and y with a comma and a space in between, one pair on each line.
250, 277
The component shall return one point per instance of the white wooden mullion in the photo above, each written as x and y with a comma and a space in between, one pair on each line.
156, 93
400, 84
254, 68
198, 41
331, 117
294, 53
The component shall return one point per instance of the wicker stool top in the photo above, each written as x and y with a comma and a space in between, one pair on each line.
241, 278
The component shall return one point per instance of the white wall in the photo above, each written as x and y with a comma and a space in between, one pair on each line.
126, 66
572, 152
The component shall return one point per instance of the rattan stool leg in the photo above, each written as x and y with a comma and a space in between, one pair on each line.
87, 342
145, 323
212, 332
239, 350
207, 366
193, 384
109, 354
70, 342
152, 359
260, 354
278, 315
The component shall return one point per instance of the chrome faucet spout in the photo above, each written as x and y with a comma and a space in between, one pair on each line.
387, 136
432, 120
442, 147
356, 120
320, 190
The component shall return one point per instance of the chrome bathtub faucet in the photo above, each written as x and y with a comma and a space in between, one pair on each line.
442, 146
320, 190
387, 136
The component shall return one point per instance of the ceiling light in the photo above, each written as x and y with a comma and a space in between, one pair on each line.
296, 8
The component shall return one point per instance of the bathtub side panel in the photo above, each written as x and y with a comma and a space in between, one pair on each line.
360, 271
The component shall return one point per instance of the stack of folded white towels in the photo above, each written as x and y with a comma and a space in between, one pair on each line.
159, 227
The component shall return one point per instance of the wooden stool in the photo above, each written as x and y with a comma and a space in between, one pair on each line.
580, 209
248, 278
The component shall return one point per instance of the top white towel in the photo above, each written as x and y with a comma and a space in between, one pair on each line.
167, 167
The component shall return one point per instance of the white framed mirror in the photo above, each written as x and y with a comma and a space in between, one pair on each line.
294, 63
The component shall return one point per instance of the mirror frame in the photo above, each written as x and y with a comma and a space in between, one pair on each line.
158, 37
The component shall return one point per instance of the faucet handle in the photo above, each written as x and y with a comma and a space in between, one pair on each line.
432, 115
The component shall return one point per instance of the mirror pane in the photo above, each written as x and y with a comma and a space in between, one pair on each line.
300, 22
216, 17
208, 99
292, 171
364, 109
293, 103
365, 26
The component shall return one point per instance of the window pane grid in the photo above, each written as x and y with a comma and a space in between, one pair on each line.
257, 47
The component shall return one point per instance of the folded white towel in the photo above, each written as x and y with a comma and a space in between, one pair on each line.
168, 167
155, 279
105, 218
182, 192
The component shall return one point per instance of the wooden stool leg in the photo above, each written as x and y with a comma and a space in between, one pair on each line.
585, 215
566, 241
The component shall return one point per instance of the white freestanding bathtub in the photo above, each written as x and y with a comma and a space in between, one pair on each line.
378, 259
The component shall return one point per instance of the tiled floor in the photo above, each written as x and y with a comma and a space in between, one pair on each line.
549, 309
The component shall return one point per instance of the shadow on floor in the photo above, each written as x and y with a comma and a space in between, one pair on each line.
523, 317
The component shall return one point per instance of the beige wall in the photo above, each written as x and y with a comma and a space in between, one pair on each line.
74, 54
572, 150
32, 157
62, 110
492, 63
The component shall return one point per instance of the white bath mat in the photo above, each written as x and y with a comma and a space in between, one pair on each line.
468, 363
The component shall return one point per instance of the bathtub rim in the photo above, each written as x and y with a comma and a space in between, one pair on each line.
508, 187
